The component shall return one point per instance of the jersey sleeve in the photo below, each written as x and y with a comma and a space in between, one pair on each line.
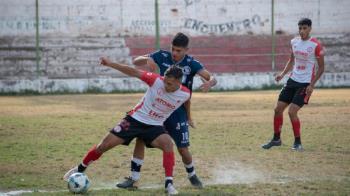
149, 77
319, 50
156, 56
196, 66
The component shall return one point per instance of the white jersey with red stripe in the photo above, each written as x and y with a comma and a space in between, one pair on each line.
305, 54
157, 104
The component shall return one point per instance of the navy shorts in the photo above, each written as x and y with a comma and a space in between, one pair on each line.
130, 128
177, 127
294, 92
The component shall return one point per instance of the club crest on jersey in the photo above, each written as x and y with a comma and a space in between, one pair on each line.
309, 49
186, 70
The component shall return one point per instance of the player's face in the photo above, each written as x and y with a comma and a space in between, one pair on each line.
171, 84
178, 53
304, 31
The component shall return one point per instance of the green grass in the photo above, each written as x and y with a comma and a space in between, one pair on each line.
44, 136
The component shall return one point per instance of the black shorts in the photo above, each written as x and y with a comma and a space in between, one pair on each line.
130, 128
294, 92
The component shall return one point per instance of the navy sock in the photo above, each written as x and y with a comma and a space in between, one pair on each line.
168, 181
81, 168
276, 137
135, 167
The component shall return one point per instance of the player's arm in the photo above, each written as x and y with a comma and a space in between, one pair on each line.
287, 68
187, 106
320, 70
146, 61
140, 60
130, 71
208, 80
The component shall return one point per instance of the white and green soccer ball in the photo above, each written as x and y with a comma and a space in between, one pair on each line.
78, 183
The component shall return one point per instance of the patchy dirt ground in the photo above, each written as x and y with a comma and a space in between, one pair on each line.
43, 136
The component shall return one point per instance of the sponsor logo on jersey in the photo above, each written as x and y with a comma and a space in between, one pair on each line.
155, 114
301, 53
165, 103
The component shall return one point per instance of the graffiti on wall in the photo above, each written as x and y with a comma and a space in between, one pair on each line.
232, 26
148, 25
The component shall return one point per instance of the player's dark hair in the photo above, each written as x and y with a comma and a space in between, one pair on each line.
174, 72
180, 40
305, 21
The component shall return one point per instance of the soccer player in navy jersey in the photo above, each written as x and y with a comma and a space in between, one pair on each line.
306, 54
177, 124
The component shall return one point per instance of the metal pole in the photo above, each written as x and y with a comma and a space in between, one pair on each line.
157, 25
273, 35
37, 37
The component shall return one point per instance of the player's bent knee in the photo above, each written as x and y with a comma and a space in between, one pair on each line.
278, 110
292, 113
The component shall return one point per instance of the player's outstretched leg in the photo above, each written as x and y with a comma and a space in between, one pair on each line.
95, 153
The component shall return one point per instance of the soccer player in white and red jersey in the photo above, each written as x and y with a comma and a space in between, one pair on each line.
306, 54
145, 121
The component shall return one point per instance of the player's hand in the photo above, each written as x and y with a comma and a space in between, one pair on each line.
205, 86
309, 90
278, 77
191, 123
105, 61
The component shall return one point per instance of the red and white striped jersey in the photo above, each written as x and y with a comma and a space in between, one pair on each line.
305, 54
157, 104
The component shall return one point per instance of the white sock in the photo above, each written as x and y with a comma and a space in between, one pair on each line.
137, 160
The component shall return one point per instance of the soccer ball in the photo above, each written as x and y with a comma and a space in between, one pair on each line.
78, 183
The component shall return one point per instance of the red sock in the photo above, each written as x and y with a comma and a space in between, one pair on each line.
296, 127
168, 163
91, 156
277, 125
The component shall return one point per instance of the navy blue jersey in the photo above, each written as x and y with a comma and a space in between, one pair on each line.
189, 66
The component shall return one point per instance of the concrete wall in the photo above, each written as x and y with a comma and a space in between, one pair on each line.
230, 37
196, 17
